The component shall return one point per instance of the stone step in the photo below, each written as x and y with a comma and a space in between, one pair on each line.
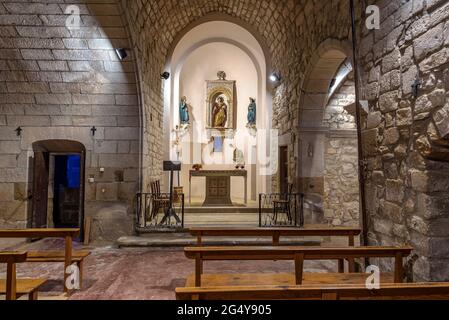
184, 239
221, 210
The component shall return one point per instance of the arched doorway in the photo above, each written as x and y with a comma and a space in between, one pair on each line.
58, 184
328, 138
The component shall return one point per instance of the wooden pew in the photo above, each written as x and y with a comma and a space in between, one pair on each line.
398, 291
11, 286
68, 256
296, 254
277, 233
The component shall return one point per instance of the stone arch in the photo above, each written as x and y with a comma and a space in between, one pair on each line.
316, 136
252, 48
217, 16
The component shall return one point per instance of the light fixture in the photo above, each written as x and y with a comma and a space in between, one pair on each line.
165, 75
274, 77
121, 53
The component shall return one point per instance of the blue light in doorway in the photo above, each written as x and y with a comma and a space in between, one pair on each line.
74, 171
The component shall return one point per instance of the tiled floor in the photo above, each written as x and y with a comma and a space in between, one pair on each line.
147, 274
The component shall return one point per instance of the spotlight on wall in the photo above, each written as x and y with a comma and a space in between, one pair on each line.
274, 77
121, 53
165, 75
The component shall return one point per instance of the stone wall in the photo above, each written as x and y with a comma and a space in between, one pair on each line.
406, 139
57, 83
341, 180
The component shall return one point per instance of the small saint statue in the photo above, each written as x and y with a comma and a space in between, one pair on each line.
252, 112
184, 116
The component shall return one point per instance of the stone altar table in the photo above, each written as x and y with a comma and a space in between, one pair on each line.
218, 186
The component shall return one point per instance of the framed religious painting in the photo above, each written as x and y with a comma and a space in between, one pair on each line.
220, 103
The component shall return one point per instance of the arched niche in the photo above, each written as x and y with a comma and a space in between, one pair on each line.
219, 30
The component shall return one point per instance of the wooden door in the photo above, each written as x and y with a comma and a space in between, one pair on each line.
283, 163
40, 189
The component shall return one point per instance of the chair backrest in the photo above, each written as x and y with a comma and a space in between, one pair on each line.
154, 188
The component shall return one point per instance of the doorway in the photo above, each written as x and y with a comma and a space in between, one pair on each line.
67, 191
283, 163
58, 185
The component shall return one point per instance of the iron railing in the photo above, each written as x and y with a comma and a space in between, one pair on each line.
152, 212
281, 210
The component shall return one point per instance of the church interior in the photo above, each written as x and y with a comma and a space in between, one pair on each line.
264, 150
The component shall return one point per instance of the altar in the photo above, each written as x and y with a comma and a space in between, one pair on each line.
218, 186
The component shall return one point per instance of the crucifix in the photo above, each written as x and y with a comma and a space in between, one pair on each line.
94, 130
19, 131
415, 86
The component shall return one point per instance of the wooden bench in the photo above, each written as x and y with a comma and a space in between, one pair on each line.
276, 233
12, 287
296, 254
68, 256
399, 291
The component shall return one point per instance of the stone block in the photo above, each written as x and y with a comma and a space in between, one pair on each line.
370, 142
122, 133
127, 191
43, 32
374, 119
10, 147
53, 98
441, 119
33, 8
97, 99
94, 121
392, 211
37, 54
29, 121
110, 221
79, 55
389, 101
126, 100
394, 191
123, 146
75, 43
429, 42
53, 65
118, 161
404, 117
107, 192
20, 191
6, 191
86, 66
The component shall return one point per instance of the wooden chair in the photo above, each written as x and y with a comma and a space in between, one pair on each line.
158, 201
15, 288
282, 206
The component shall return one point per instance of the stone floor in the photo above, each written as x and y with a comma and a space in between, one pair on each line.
134, 273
